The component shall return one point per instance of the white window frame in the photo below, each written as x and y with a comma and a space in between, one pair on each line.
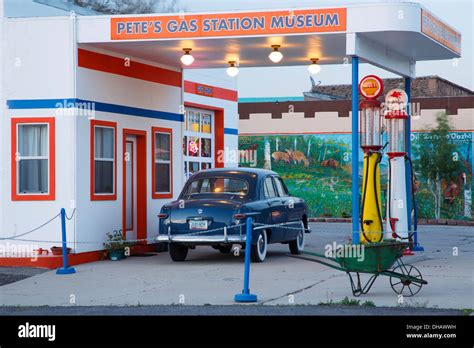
170, 135
201, 135
105, 159
19, 157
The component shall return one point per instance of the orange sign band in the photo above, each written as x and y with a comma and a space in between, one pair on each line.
228, 24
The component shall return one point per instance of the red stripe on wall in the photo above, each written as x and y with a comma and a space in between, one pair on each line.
218, 92
136, 70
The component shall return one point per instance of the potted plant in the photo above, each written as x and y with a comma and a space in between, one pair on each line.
115, 245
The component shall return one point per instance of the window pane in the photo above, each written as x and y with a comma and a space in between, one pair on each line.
33, 140
205, 165
200, 186
193, 167
193, 121
206, 123
33, 176
193, 146
162, 146
185, 142
268, 188
219, 185
162, 177
103, 177
104, 142
281, 189
206, 147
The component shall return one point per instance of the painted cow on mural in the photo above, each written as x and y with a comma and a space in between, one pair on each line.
298, 157
331, 163
281, 156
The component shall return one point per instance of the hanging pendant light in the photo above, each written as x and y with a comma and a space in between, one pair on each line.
187, 58
275, 56
314, 68
232, 70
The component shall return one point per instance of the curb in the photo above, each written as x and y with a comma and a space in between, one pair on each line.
449, 222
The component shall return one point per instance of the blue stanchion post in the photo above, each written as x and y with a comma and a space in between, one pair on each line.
355, 151
65, 269
246, 296
408, 173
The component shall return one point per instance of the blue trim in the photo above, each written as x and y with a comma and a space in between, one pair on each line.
270, 99
98, 106
408, 149
39, 103
355, 151
231, 131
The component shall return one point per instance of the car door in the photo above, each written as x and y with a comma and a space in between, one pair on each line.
275, 208
293, 208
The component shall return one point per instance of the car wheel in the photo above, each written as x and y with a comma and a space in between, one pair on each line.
225, 249
258, 251
178, 252
297, 245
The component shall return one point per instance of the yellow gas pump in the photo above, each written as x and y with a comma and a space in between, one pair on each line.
371, 224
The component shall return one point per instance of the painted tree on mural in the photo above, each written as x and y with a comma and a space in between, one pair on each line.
438, 160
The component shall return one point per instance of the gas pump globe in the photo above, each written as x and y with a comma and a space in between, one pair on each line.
371, 227
396, 124
370, 125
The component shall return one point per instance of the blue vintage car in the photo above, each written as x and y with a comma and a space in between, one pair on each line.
218, 198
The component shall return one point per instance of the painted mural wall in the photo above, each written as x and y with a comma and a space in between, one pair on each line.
316, 167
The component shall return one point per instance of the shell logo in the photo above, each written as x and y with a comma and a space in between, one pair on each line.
371, 87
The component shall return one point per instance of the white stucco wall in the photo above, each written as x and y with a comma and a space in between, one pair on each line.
38, 64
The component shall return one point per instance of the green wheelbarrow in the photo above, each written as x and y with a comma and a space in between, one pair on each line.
378, 259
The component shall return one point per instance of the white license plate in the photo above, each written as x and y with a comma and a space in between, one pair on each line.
198, 224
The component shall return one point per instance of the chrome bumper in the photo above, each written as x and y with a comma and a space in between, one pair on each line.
221, 239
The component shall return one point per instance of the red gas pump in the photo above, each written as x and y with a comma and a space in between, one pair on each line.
396, 118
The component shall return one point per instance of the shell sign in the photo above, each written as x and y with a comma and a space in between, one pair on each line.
371, 87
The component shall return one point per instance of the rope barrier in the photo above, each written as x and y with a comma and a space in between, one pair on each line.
260, 226
72, 215
33, 230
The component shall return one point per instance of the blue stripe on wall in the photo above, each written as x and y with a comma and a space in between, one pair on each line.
231, 131
98, 106
40, 103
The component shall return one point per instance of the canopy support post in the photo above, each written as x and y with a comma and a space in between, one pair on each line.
355, 150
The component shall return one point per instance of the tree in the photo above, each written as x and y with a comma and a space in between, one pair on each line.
130, 6
438, 160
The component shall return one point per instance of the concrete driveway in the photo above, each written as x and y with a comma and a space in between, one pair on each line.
208, 277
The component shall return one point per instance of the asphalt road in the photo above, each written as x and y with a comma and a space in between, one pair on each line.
237, 310
14, 274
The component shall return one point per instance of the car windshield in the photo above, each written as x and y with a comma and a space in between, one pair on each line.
218, 186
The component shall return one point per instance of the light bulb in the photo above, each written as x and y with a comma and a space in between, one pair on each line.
232, 70
187, 58
314, 68
275, 56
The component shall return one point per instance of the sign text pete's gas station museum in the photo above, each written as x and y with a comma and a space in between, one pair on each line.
228, 24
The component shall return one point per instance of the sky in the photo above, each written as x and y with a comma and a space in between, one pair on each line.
267, 82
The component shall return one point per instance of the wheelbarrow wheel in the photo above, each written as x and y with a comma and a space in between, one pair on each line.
403, 285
